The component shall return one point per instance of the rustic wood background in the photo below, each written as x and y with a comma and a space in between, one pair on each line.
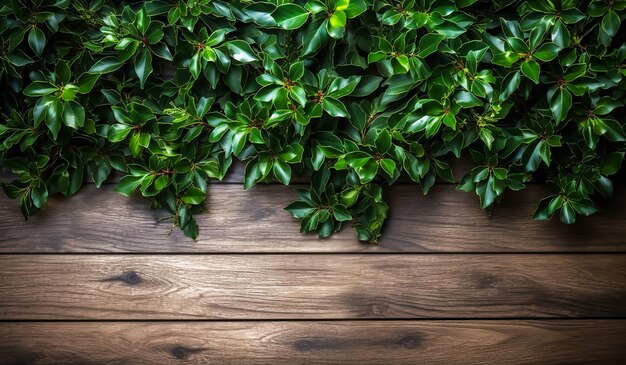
96, 279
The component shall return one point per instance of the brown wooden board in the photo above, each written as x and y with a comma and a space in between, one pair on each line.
350, 342
122, 287
254, 221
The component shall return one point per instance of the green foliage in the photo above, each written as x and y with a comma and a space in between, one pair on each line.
355, 94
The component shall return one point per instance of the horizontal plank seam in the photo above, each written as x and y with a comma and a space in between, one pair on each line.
408, 319
299, 253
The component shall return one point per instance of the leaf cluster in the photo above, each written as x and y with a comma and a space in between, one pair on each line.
354, 94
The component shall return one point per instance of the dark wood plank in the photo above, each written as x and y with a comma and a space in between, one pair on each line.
117, 287
254, 221
377, 342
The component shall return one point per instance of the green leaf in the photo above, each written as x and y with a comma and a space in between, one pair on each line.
216, 38
296, 70
241, 51
314, 38
336, 24
368, 171
611, 163
193, 196
299, 95
270, 93
118, 132
518, 45
531, 70
560, 104
334, 107
610, 23
39, 195
547, 52
467, 99
429, 43
99, 172
341, 214
162, 51
39, 88
143, 66
195, 65
341, 87
133, 144
585, 207
128, 184
568, 214
357, 158
391, 17
325, 229
105, 65
541, 213
389, 166
299, 209
349, 197
614, 131
36, 40
282, 171
142, 20
63, 72
290, 16
367, 86
86, 82
73, 115
352, 8
383, 141
69, 92
560, 35
486, 136
485, 191
606, 105
54, 117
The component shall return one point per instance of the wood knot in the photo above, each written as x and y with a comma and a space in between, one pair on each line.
182, 352
410, 342
127, 277
487, 282
313, 344
130, 277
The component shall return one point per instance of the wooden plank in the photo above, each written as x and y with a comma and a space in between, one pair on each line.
254, 221
351, 342
120, 287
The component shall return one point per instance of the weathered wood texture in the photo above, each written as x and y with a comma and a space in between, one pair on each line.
253, 221
120, 287
388, 342
250, 269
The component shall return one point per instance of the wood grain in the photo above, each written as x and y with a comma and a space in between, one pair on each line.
120, 287
377, 342
254, 221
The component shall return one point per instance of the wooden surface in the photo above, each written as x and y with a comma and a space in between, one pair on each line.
345, 342
254, 221
122, 287
95, 279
